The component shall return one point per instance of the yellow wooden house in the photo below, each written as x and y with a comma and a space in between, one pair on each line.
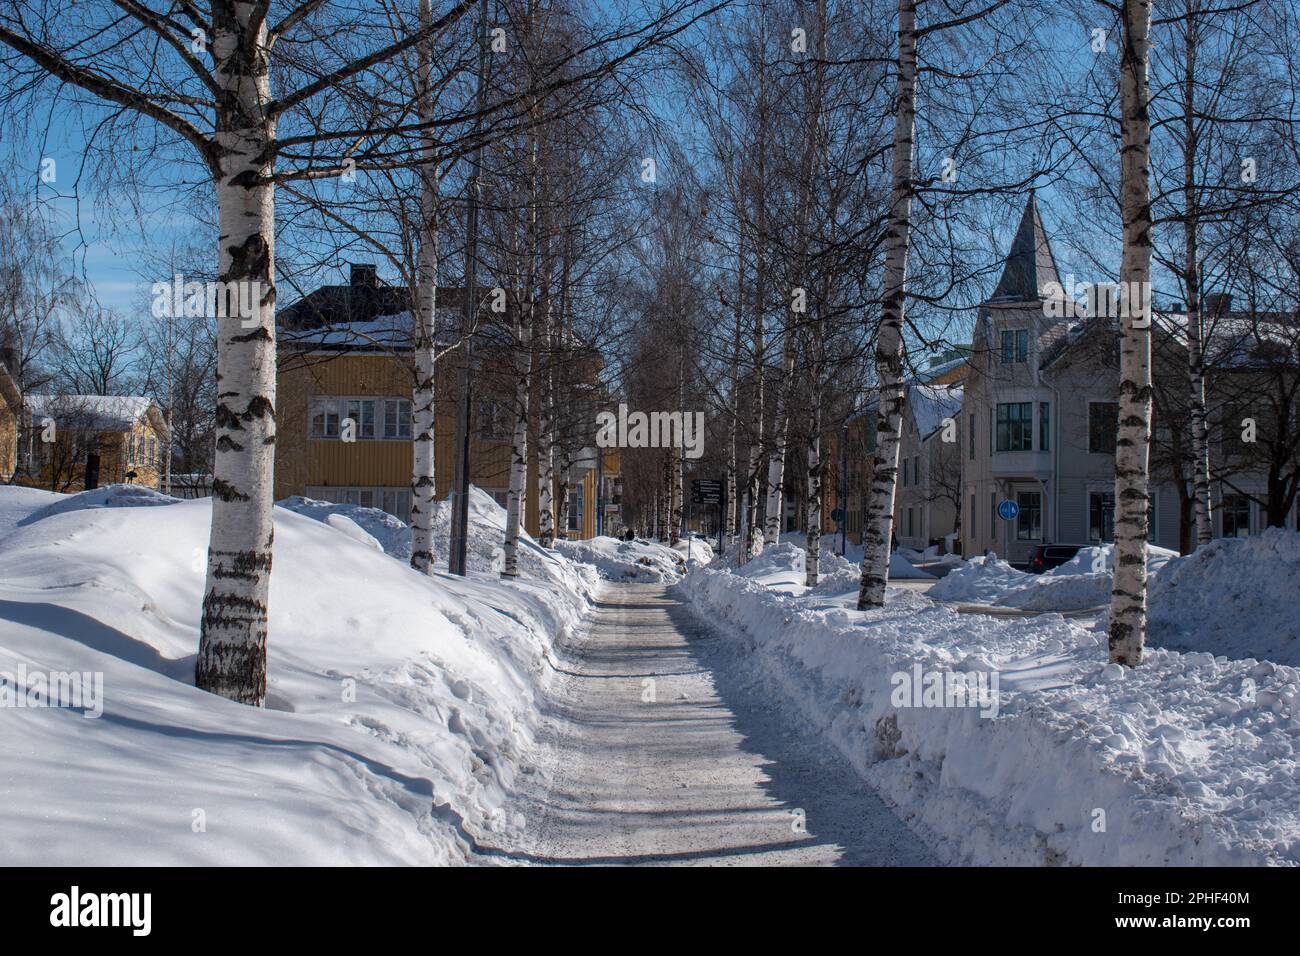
343, 410
11, 411
70, 443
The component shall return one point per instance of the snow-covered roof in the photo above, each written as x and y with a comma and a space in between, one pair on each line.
395, 331
931, 404
943, 368
1236, 340
107, 413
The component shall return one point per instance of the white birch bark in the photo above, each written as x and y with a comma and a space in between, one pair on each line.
562, 493
546, 434
519, 447
1195, 319
1128, 608
677, 522
733, 425
814, 542
780, 432
423, 475
889, 337
233, 627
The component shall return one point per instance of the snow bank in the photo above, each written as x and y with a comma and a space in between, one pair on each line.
109, 496
1102, 558
486, 548
782, 565
377, 527
1238, 597
1078, 584
402, 708
1188, 760
980, 580
618, 560
17, 504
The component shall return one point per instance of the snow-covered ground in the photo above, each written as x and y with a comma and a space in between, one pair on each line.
638, 560
1189, 759
1238, 597
1082, 582
402, 713
783, 566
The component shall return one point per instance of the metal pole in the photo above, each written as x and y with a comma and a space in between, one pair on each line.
456, 560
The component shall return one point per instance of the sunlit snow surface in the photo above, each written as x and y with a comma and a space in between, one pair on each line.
402, 709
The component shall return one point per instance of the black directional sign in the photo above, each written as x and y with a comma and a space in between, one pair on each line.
706, 491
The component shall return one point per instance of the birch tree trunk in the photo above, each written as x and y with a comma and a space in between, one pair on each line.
780, 431
232, 630
889, 336
733, 425
666, 490
424, 489
813, 560
562, 493
519, 446
678, 461
1195, 320
1128, 608
546, 435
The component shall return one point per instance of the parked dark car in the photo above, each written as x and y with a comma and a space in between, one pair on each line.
1048, 556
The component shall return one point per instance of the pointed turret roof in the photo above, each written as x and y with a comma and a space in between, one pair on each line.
1030, 264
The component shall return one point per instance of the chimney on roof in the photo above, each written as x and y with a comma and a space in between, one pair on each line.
364, 274
1216, 303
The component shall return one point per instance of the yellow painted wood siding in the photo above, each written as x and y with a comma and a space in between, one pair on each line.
114, 460
8, 440
302, 462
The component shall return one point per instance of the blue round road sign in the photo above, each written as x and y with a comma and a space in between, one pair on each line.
1008, 509
837, 515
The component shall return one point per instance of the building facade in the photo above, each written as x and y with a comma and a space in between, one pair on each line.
72, 443
345, 356
1039, 418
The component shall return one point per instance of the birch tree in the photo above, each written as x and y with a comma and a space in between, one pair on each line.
878, 521
1128, 612
424, 487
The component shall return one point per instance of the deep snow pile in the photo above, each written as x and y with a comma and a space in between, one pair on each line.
486, 550
1186, 760
980, 580
1101, 558
402, 708
1082, 582
371, 526
618, 560
1234, 596
784, 565
697, 549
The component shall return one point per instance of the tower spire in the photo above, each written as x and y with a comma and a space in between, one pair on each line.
1029, 265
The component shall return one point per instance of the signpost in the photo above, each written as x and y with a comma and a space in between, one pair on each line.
1008, 510
710, 491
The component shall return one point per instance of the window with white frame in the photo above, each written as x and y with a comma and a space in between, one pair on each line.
1029, 522
495, 419
1235, 510
1101, 516
1015, 346
370, 419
